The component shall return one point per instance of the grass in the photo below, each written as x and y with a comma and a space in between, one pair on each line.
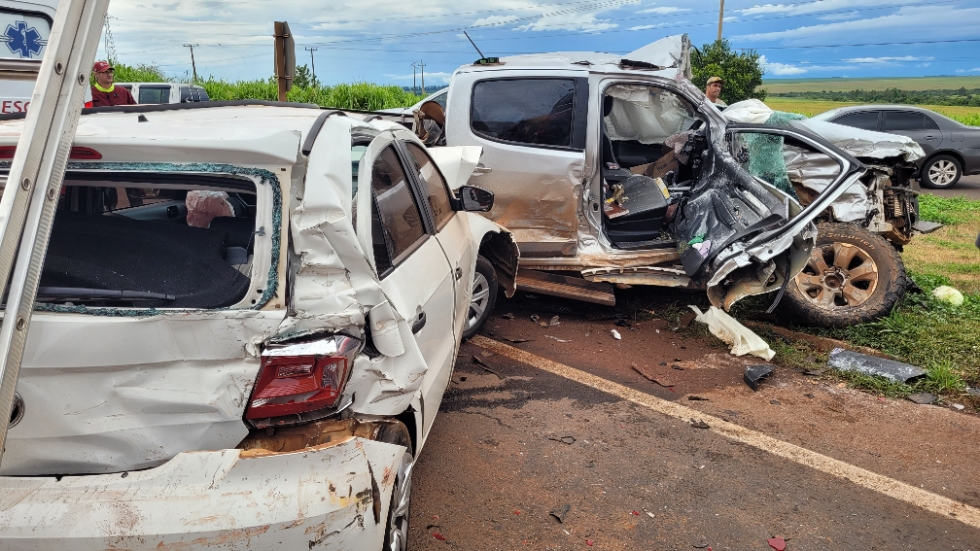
965, 115
781, 86
360, 95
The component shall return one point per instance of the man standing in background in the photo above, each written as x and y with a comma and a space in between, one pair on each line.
104, 92
713, 91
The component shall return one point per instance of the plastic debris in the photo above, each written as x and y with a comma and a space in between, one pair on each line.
557, 339
560, 512
845, 360
755, 373
590, 543
728, 329
553, 321
508, 316
438, 536
616, 334
535, 318
635, 513
959, 407
948, 294
922, 397
779, 544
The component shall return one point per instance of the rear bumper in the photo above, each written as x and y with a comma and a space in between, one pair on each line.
331, 496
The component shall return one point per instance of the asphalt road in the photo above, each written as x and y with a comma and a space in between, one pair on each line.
552, 417
968, 186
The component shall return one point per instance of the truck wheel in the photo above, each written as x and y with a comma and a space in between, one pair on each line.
484, 297
852, 276
941, 172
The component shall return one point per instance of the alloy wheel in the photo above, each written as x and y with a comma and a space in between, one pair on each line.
838, 275
479, 301
942, 173
401, 496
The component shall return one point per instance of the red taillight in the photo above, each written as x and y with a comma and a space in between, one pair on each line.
77, 152
296, 379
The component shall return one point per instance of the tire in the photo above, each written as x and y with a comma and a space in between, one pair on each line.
396, 528
484, 297
853, 276
941, 172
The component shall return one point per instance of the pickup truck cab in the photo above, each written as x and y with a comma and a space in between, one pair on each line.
165, 92
615, 169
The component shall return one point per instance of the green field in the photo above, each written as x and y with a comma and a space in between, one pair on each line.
965, 115
782, 86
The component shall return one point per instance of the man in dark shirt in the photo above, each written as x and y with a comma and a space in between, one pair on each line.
104, 92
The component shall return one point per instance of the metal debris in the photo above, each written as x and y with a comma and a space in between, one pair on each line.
755, 373
560, 512
845, 360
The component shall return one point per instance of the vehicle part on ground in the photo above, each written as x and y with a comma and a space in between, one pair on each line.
941, 172
754, 374
853, 276
728, 329
846, 360
485, 288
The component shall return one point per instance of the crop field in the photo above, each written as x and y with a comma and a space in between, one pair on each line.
965, 115
783, 86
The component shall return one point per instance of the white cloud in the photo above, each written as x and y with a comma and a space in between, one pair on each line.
845, 16
664, 10
973, 70
654, 26
907, 23
787, 69
779, 69
890, 60
494, 20
569, 22
805, 8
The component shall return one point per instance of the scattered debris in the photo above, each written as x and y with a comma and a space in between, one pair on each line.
845, 360
677, 367
950, 295
623, 323
508, 316
635, 513
700, 544
814, 372
699, 424
482, 363
922, 397
438, 536
728, 329
775, 403
959, 407
696, 398
685, 321
560, 512
755, 373
535, 318
557, 339
616, 334
515, 340
651, 515
972, 391
659, 379
569, 440
590, 543
555, 320
779, 544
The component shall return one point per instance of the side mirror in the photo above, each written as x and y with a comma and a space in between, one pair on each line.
475, 199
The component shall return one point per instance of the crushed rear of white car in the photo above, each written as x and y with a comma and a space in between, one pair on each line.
245, 323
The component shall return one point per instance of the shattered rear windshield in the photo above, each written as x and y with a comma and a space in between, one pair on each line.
150, 241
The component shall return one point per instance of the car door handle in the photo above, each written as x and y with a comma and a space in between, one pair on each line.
419, 323
459, 273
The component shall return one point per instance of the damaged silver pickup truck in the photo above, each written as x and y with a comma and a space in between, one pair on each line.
246, 320
615, 169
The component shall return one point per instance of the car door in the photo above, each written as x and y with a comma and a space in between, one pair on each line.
413, 269
915, 125
532, 131
451, 230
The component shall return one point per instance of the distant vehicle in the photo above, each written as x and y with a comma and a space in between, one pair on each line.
165, 92
952, 149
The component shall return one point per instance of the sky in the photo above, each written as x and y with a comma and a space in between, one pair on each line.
379, 41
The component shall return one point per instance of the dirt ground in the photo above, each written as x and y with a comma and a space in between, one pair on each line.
513, 443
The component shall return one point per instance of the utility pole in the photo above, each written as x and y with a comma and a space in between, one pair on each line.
721, 17
312, 64
193, 65
414, 69
422, 73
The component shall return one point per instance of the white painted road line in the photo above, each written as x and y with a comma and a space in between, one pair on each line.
864, 478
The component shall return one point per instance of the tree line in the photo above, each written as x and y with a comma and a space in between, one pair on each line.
962, 96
